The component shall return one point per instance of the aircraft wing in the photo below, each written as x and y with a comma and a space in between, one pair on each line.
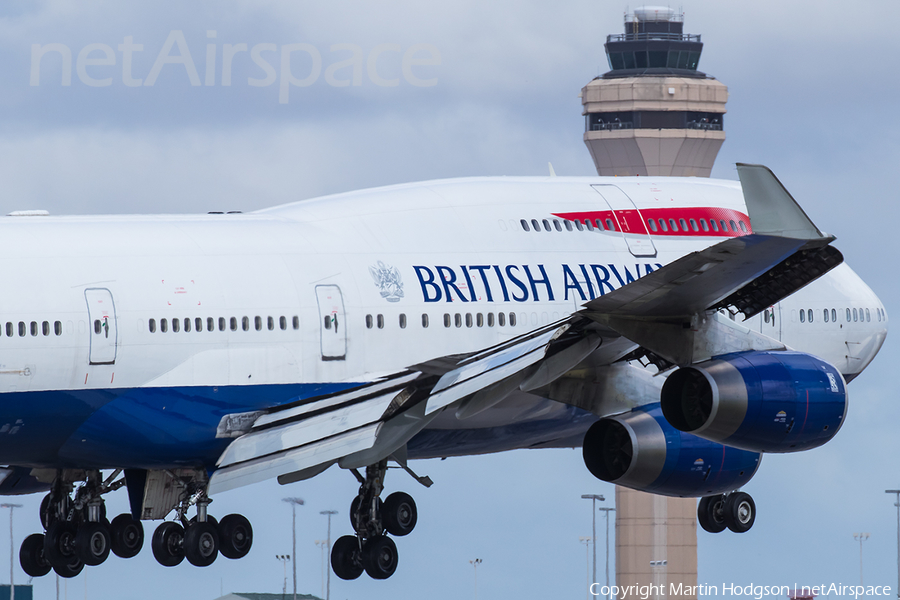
373, 421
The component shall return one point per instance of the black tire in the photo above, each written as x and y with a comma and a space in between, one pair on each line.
46, 518
235, 536
346, 561
31, 556
59, 544
354, 510
127, 536
740, 512
711, 513
92, 543
379, 557
201, 544
168, 544
399, 514
70, 568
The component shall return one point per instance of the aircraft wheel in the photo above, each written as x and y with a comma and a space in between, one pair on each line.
399, 514
354, 511
740, 512
127, 536
45, 511
59, 543
345, 560
168, 544
379, 557
710, 513
235, 536
201, 544
69, 568
92, 543
31, 556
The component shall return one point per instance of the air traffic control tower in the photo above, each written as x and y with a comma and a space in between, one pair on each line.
653, 112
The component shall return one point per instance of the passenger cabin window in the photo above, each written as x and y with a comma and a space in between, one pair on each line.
490, 319
424, 320
512, 319
457, 320
652, 224
176, 325
402, 321
296, 322
802, 316
187, 324
369, 322
245, 323
524, 225
282, 322
164, 325
257, 323
270, 323
198, 323
211, 324
848, 315
446, 320
501, 319
379, 320
57, 327
151, 324
834, 315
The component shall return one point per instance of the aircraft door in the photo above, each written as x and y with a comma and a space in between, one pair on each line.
102, 326
332, 324
628, 220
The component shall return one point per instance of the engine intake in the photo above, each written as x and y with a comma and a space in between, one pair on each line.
758, 401
640, 450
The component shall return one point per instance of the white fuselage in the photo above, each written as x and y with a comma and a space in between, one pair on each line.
105, 310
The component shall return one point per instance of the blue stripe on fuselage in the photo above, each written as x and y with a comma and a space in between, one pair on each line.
161, 427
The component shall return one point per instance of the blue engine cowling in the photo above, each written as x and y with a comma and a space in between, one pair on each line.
758, 401
640, 450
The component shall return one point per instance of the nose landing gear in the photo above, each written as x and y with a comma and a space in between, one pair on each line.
370, 550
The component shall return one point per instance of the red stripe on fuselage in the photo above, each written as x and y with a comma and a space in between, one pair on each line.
705, 221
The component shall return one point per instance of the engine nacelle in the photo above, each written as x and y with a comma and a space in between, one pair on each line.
640, 450
758, 401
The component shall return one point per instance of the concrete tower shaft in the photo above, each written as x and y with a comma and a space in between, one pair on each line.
654, 113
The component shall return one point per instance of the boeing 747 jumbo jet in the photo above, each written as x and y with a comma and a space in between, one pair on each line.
674, 328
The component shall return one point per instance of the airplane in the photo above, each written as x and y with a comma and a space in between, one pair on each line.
674, 328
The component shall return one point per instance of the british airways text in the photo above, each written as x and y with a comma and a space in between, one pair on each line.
524, 283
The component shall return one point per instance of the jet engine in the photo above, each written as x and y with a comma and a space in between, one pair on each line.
640, 450
758, 401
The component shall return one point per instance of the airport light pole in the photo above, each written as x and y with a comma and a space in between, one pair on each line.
897, 504
861, 537
593, 498
328, 575
294, 502
12, 550
322, 544
607, 511
587, 561
284, 558
475, 564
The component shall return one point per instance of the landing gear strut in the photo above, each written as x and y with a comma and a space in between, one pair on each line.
371, 550
736, 511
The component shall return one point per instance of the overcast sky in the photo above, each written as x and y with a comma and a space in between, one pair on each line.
488, 88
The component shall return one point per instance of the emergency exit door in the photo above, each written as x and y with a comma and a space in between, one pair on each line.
628, 220
332, 324
102, 326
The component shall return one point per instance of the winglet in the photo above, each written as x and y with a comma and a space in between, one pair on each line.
552, 172
772, 209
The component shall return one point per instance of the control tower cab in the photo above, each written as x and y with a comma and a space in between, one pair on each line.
653, 112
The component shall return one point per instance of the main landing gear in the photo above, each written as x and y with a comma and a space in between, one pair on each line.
736, 511
371, 550
77, 532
